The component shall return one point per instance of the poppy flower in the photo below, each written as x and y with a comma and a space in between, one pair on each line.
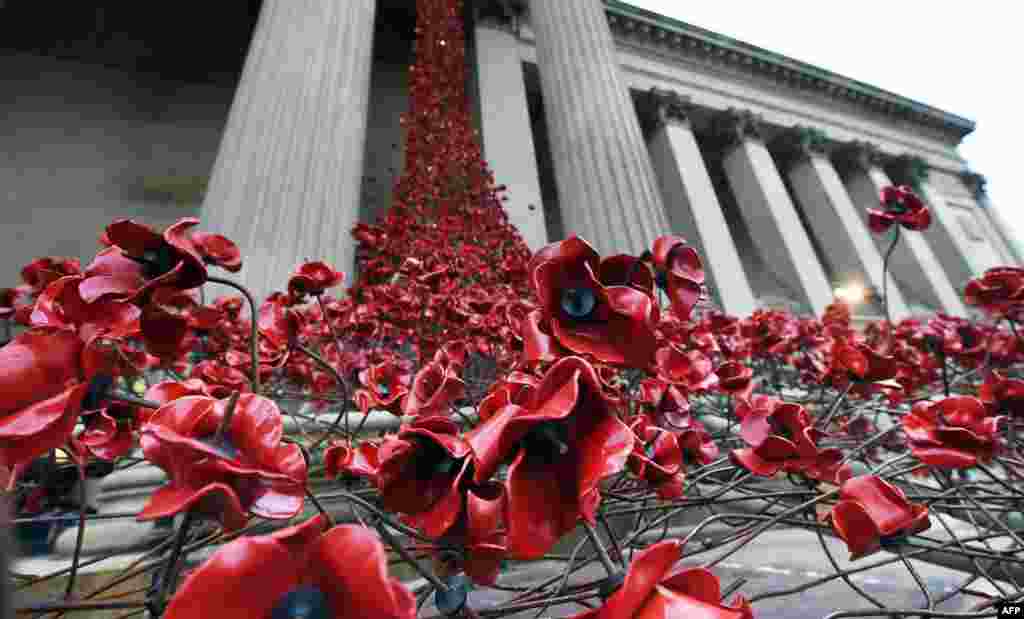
434, 390
734, 378
900, 205
220, 379
669, 407
41, 393
653, 589
953, 433
477, 542
420, 472
42, 272
562, 443
1001, 394
317, 572
314, 278
223, 472
680, 272
612, 322
860, 363
361, 460
782, 439
999, 292
871, 511
657, 458
140, 260
384, 387
109, 432
690, 370
218, 250
168, 391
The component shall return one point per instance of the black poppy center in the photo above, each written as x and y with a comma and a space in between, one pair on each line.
157, 262
97, 392
305, 602
383, 391
548, 439
433, 460
579, 303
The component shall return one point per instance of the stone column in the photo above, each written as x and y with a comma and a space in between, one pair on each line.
767, 209
607, 188
691, 204
913, 264
286, 183
505, 121
831, 215
998, 228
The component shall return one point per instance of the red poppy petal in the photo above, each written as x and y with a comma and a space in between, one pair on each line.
749, 460
350, 566
236, 582
854, 525
542, 507
37, 365
645, 572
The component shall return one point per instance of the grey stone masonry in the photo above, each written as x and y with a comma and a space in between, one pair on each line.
287, 180
767, 209
692, 205
607, 187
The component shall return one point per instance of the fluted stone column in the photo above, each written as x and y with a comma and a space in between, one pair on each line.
830, 213
691, 204
997, 228
767, 209
913, 264
286, 183
507, 133
607, 189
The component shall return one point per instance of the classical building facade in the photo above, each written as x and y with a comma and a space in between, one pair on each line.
603, 120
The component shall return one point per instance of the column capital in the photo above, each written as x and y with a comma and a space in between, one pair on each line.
498, 14
800, 143
976, 183
668, 107
860, 154
908, 170
734, 126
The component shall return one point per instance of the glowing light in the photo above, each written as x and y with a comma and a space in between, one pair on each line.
853, 293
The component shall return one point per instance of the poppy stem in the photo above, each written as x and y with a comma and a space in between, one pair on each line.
225, 423
254, 333
127, 398
835, 407
408, 558
602, 552
885, 276
171, 571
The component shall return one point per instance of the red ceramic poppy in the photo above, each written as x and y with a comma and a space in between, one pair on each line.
362, 460
612, 322
218, 250
41, 393
1003, 395
782, 438
109, 432
999, 292
657, 458
680, 268
340, 572
314, 278
221, 380
953, 433
870, 511
690, 370
434, 390
900, 206
247, 469
734, 378
421, 471
168, 391
385, 386
140, 260
652, 589
562, 443
42, 272
668, 405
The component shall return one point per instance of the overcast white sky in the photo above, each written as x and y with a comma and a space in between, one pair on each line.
962, 57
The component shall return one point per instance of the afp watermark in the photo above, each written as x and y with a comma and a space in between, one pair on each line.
1010, 609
